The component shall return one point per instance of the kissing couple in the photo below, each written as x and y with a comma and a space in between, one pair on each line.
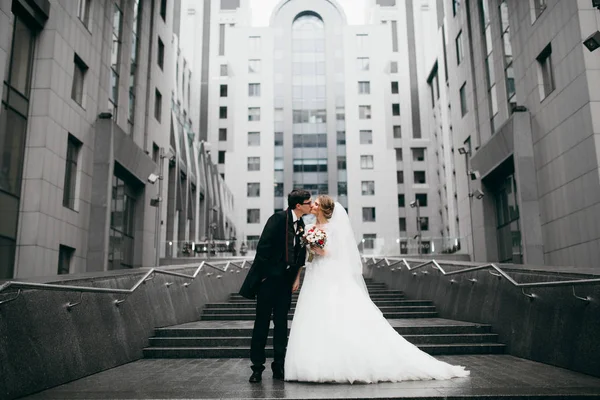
338, 334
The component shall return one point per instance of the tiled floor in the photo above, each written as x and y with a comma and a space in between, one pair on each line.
492, 376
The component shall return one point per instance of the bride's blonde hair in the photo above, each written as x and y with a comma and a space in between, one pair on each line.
326, 205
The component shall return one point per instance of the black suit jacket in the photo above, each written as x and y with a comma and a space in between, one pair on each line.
274, 253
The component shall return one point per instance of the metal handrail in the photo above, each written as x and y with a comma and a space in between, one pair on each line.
500, 274
87, 289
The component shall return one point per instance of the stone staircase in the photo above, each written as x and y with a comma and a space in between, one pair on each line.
225, 329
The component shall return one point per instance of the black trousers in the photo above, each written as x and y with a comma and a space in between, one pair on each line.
274, 298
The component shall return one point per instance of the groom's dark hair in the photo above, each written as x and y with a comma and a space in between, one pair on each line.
297, 196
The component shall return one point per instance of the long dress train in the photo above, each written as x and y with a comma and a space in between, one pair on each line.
339, 335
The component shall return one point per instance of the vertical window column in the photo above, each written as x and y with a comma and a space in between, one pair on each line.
115, 58
13, 129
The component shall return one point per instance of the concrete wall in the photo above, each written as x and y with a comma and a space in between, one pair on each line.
42, 344
554, 328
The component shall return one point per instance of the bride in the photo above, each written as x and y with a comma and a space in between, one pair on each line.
338, 334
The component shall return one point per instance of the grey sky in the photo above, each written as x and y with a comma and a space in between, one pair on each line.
262, 10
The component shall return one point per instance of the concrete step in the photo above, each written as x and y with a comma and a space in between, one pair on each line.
249, 317
372, 293
379, 303
244, 341
243, 352
252, 311
235, 330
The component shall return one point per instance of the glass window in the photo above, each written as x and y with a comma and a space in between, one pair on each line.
342, 188
83, 12
362, 63
161, 54
77, 86
364, 112
463, 100
546, 72
366, 162
121, 225
402, 224
65, 257
368, 188
368, 214
254, 114
278, 139
253, 163
163, 9
221, 39
72, 157
157, 105
364, 87
253, 216
254, 89
397, 132
369, 240
223, 90
253, 138
279, 189
341, 162
222, 134
455, 6
418, 153
394, 67
252, 241
341, 138
253, 189
362, 41
223, 112
278, 164
419, 177
395, 109
537, 8
459, 48
401, 200
366, 137
254, 66
395, 36
221, 159
395, 88
400, 177
223, 70
422, 199
399, 154
510, 248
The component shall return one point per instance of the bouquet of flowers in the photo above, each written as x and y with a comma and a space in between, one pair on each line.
314, 237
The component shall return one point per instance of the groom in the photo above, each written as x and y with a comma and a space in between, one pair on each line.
272, 279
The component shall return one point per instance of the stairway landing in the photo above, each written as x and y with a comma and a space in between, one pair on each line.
493, 377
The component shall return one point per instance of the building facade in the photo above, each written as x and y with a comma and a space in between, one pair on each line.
312, 102
93, 104
519, 107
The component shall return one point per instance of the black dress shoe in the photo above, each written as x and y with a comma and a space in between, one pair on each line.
279, 375
256, 377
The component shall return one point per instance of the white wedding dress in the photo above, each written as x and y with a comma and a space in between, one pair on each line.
339, 335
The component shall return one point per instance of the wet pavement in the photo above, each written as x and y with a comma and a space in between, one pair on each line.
492, 377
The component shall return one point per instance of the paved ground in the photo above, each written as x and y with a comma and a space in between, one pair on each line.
492, 376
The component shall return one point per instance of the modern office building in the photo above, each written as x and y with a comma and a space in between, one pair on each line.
312, 102
95, 97
515, 94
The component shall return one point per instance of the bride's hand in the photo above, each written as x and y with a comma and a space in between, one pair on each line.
296, 284
317, 250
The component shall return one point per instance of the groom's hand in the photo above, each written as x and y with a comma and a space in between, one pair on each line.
296, 285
